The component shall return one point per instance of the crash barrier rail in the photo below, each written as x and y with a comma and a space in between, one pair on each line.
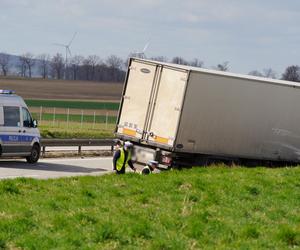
76, 143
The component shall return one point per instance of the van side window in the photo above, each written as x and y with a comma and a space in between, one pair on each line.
11, 116
27, 120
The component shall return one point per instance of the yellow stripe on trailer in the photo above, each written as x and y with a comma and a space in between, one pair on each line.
129, 132
161, 140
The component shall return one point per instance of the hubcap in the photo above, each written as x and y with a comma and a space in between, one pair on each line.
34, 154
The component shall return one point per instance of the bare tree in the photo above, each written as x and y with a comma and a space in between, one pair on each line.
159, 58
114, 62
4, 63
223, 66
196, 63
29, 60
255, 73
76, 62
57, 66
43, 65
292, 73
179, 60
269, 73
115, 65
86, 65
79, 68
22, 65
93, 62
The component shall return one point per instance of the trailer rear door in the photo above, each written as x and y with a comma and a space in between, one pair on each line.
132, 120
163, 122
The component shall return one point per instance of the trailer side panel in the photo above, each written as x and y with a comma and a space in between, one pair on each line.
228, 116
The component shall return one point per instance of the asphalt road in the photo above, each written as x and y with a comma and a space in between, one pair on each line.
55, 168
83, 148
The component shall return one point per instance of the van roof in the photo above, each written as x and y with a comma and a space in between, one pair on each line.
11, 99
222, 73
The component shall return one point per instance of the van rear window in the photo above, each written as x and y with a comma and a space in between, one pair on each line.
11, 116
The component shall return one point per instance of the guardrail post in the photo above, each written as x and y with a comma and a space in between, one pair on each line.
44, 150
79, 150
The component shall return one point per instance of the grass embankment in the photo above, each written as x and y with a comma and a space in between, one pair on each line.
62, 130
73, 104
202, 208
76, 118
73, 129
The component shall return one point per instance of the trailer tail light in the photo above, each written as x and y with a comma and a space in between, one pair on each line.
166, 160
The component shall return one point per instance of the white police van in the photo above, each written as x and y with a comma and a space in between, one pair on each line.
19, 135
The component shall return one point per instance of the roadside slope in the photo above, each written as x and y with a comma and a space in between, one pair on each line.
202, 208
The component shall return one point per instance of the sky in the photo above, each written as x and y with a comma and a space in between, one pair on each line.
251, 35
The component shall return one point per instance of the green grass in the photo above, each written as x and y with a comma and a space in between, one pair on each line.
72, 104
74, 130
202, 208
76, 118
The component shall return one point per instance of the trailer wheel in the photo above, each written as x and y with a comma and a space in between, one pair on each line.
176, 166
35, 154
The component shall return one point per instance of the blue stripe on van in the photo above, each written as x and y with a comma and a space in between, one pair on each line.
16, 138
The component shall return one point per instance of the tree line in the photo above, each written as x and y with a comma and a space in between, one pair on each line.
90, 68
291, 73
111, 69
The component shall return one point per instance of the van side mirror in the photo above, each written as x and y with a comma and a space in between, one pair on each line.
35, 123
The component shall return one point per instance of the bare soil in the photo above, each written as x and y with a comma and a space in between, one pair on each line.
62, 89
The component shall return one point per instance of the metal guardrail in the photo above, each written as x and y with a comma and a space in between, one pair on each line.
76, 143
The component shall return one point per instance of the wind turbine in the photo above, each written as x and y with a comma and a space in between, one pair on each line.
67, 48
141, 54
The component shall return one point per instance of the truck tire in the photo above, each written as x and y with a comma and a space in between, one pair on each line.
35, 154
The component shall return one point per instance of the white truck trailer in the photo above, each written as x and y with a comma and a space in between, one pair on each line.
174, 113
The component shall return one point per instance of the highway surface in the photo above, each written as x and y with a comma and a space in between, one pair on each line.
83, 148
55, 168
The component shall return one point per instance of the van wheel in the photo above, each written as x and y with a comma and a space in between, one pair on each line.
35, 154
